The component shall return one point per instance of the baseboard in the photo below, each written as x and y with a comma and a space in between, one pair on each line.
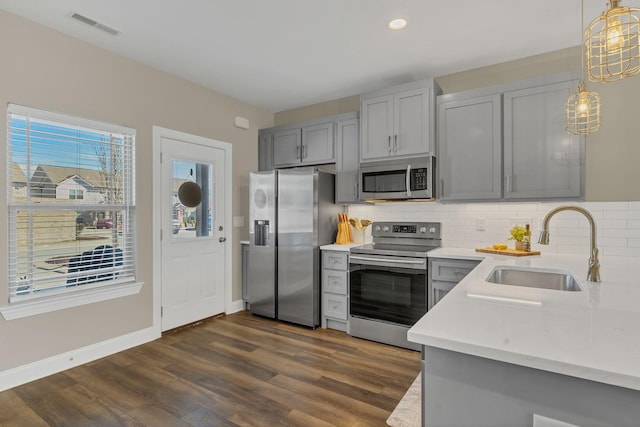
58, 363
236, 306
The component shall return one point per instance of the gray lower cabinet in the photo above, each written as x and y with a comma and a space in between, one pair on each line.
508, 142
335, 290
347, 159
444, 274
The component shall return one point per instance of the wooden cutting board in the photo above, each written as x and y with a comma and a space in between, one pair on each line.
510, 252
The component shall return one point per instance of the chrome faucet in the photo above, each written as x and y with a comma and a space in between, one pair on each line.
593, 275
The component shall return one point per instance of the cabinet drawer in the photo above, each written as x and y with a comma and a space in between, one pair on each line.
335, 260
451, 270
335, 306
335, 281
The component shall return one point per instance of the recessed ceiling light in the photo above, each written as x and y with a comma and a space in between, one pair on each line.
398, 24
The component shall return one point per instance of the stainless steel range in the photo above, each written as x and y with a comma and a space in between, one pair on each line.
388, 281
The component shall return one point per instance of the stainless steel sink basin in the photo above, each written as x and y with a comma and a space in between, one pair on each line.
533, 278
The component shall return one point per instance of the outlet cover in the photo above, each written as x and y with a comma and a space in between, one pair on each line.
481, 224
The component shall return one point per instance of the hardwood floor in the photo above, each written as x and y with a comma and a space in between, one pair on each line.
236, 370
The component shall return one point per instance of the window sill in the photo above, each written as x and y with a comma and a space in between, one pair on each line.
64, 301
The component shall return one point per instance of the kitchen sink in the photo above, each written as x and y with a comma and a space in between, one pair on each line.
533, 278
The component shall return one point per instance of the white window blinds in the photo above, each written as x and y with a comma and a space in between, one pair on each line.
71, 203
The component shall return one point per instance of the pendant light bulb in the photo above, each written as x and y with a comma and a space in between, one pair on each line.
583, 111
612, 44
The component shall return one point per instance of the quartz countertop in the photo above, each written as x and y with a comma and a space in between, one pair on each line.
592, 334
344, 248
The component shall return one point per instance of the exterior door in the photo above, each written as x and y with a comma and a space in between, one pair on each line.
193, 233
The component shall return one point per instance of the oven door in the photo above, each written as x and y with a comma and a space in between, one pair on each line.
391, 294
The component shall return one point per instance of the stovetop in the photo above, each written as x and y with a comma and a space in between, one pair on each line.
415, 251
407, 239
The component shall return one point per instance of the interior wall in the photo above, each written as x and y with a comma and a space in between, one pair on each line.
316, 111
611, 172
48, 70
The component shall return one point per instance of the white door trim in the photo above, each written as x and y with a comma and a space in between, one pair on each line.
158, 134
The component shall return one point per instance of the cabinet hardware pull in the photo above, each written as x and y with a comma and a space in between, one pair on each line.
395, 143
298, 156
304, 151
389, 144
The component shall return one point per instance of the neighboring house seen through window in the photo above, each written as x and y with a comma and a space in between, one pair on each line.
75, 194
68, 174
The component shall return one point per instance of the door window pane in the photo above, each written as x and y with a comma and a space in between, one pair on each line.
192, 221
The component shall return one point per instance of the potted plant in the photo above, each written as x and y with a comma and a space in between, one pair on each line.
520, 235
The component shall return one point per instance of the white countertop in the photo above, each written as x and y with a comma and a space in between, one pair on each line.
593, 334
336, 247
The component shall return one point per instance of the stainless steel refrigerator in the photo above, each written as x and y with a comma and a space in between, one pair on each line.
292, 213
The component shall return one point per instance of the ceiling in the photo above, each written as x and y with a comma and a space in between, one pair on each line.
283, 54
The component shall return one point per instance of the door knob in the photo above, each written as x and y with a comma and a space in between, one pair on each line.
222, 239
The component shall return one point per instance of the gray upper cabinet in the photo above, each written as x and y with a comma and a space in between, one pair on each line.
347, 159
286, 148
265, 151
398, 121
540, 159
508, 142
470, 148
317, 144
301, 145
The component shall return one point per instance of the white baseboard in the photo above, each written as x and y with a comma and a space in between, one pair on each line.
58, 363
236, 306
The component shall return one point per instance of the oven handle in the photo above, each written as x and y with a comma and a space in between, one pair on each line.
408, 180
395, 261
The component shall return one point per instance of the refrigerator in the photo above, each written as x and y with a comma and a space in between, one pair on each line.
292, 213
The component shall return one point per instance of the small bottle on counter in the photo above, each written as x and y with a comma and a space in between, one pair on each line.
527, 238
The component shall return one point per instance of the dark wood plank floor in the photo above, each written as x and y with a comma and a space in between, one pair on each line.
236, 370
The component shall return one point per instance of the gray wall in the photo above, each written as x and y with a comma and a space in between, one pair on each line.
45, 69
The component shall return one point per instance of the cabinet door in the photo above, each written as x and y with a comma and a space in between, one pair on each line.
286, 148
376, 117
317, 144
439, 290
411, 132
265, 152
541, 160
347, 160
470, 149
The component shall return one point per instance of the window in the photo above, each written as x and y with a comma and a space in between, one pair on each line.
75, 194
66, 175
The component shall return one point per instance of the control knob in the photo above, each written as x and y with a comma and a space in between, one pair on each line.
423, 229
432, 230
385, 229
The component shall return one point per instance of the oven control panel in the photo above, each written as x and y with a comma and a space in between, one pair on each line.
423, 230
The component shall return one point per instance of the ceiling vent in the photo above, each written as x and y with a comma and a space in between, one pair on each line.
94, 24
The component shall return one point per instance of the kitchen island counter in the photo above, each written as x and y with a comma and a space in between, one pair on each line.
593, 334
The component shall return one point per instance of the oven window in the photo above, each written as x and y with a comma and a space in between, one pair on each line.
385, 182
392, 295
383, 288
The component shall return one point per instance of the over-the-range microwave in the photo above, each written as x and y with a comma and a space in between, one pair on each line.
404, 179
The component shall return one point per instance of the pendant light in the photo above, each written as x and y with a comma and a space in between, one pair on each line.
613, 44
583, 107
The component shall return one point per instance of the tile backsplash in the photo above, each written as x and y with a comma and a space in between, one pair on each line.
474, 225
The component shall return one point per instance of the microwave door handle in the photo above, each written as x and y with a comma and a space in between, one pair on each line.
408, 180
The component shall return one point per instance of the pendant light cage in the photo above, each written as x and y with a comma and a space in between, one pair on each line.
612, 44
583, 111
